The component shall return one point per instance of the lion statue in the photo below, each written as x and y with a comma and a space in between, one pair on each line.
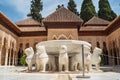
63, 58
41, 58
95, 58
31, 58
76, 61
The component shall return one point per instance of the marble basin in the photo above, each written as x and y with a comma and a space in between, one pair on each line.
74, 46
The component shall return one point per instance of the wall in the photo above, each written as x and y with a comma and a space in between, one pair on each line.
64, 33
93, 40
113, 41
31, 40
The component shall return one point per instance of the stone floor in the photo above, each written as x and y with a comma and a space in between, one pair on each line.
15, 73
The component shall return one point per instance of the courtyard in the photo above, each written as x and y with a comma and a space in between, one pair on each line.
62, 29
17, 73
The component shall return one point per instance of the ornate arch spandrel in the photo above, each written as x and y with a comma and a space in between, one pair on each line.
62, 37
70, 37
54, 37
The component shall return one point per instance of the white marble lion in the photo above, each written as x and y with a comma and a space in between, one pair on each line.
41, 58
63, 58
76, 63
95, 58
31, 57
51, 63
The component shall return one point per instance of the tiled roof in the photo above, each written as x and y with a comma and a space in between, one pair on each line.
93, 28
28, 21
63, 15
97, 21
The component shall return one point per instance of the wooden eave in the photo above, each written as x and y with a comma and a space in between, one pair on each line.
115, 24
9, 24
33, 33
92, 33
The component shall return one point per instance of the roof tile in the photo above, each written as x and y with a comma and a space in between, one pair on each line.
96, 21
28, 21
62, 15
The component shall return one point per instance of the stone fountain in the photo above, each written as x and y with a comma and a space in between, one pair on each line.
68, 54
74, 46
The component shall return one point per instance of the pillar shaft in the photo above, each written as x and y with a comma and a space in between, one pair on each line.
13, 58
0, 53
10, 58
6, 57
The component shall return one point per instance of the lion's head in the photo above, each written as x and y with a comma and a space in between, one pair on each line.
63, 49
41, 49
29, 51
87, 49
97, 51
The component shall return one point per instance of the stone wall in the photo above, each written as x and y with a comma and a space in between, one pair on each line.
62, 33
113, 41
94, 40
31, 40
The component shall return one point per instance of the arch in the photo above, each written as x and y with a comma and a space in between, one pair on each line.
27, 45
20, 53
91, 49
104, 44
62, 37
70, 37
115, 53
34, 46
54, 37
98, 44
105, 52
12, 53
21, 45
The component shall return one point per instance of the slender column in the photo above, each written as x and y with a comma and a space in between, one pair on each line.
6, 57
13, 58
16, 58
0, 53
10, 58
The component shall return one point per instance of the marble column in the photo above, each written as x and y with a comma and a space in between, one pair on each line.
0, 53
10, 57
6, 57
13, 60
